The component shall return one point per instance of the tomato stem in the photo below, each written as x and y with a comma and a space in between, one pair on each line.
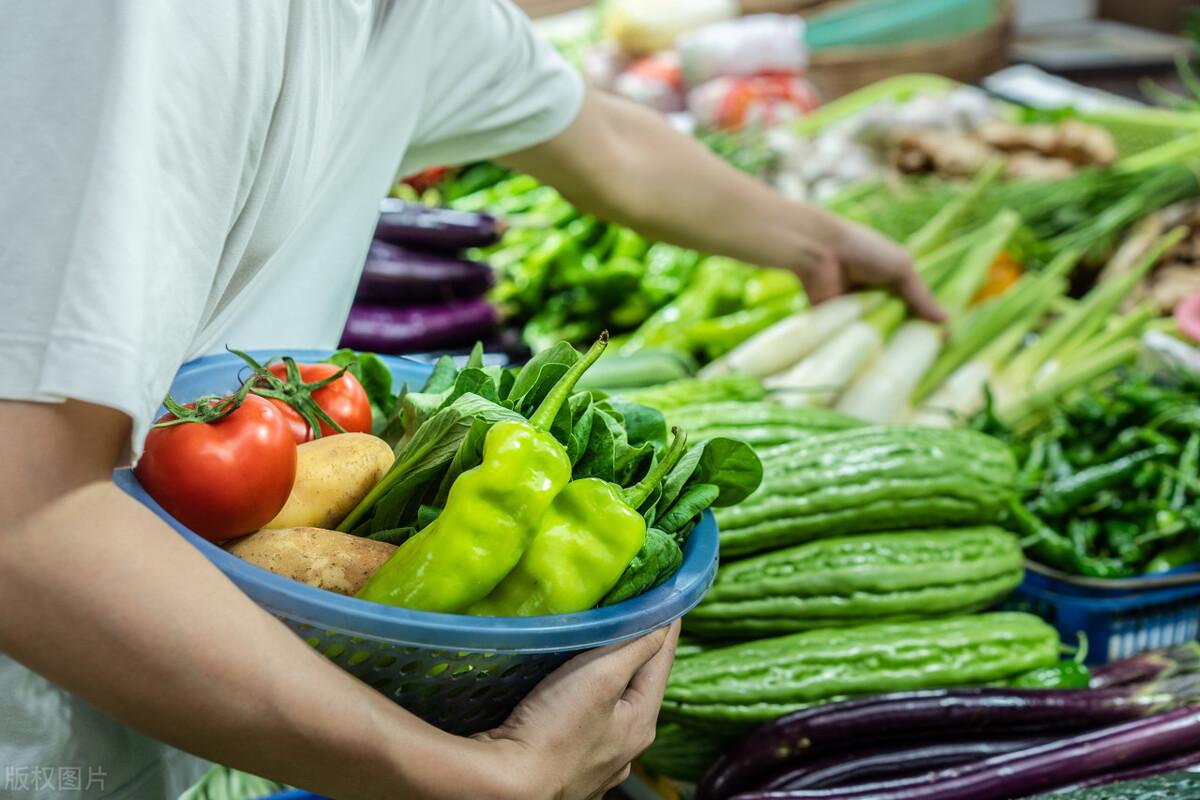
293, 390
206, 409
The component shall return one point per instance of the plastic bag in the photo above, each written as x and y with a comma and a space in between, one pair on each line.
654, 81
763, 43
730, 103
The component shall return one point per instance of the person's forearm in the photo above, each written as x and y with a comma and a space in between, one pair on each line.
99, 596
670, 187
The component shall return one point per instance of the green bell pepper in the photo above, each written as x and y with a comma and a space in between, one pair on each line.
491, 514
584, 542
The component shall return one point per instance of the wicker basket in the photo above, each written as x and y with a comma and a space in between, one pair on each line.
836, 72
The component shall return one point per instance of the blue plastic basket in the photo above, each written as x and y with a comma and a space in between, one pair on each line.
1119, 617
463, 674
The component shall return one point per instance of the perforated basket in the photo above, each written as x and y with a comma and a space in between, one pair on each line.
1120, 618
463, 674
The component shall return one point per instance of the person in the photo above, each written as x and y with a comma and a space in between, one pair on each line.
178, 176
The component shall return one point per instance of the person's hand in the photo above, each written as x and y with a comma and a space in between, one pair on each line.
578, 731
855, 255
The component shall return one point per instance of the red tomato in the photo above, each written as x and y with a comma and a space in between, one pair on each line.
225, 478
344, 400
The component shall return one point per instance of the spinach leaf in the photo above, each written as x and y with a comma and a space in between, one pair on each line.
729, 464
472, 380
422, 461
692, 502
475, 360
396, 536
376, 380
442, 377
657, 560
534, 380
642, 423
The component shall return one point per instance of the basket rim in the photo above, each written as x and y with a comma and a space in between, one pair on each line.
1068, 582
327, 610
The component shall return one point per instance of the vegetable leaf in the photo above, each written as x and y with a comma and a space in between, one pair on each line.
691, 503
534, 380
729, 464
376, 380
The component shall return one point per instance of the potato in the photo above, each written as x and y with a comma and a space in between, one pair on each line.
330, 560
333, 473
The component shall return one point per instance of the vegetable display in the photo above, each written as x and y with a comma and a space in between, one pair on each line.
760, 680
562, 274
1026, 771
858, 579
870, 479
417, 293
1109, 479
788, 751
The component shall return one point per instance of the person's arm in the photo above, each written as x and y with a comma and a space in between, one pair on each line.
104, 599
626, 164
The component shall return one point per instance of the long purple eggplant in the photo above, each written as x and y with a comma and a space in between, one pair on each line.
383, 329
1027, 772
401, 276
1150, 665
894, 761
907, 716
1137, 773
422, 226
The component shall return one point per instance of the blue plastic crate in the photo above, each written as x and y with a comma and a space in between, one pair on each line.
1119, 617
461, 673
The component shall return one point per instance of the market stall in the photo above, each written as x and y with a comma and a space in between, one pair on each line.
912, 560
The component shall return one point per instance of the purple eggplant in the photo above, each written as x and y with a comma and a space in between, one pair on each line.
930, 714
383, 329
894, 761
422, 226
1137, 773
401, 276
1150, 665
1026, 772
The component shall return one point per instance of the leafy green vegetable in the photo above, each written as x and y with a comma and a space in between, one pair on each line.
658, 559
376, 380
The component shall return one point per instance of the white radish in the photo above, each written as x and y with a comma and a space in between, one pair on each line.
821, 377
789, 340
881, 394
959, 397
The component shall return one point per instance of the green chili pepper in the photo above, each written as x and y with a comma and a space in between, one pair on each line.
1083, 533
1063, 675
1064, 494
491, 514
1122, 537
1177, 555
584, 542
1031, 473
1055, 550
1189, 467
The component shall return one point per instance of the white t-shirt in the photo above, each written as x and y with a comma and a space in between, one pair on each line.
176, 176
